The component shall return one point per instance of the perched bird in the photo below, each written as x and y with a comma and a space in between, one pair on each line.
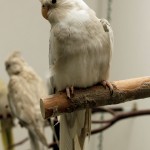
25, 90
79, 55
6, 123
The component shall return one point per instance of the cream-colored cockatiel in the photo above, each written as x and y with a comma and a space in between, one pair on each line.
80, 54
25, 90
6, 124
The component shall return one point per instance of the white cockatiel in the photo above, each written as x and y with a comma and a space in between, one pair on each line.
80, 54
25, 90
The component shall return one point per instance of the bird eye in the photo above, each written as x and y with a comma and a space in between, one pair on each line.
54, 1
7, 66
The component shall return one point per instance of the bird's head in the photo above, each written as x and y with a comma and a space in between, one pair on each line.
14, 63
55, 10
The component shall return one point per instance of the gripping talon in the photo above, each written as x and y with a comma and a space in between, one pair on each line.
109, 85
68, 92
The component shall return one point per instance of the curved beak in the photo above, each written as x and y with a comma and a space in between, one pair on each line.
44, 11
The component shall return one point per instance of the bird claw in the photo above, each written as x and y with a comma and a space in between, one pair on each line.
105, 84
70, 91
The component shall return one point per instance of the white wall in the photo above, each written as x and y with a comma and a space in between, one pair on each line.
23, 28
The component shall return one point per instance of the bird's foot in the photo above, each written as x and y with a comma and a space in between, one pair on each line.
70, 91
105, 84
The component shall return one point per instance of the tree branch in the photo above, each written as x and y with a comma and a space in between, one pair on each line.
117, 117
124, 90
18, 144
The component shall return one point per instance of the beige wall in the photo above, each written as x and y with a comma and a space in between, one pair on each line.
22, 28
131, 25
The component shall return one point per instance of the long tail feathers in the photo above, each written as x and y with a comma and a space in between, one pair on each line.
74, 128
35, 143
37, 138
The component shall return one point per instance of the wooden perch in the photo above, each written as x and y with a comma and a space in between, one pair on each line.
124, 90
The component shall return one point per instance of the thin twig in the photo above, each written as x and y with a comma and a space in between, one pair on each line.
118, 117
108, 110
52, 145
99, 110
18, 144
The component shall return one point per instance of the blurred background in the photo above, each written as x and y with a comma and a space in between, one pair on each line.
23, 28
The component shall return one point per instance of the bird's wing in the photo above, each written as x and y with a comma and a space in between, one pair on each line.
21, 99
25, 105
108, 29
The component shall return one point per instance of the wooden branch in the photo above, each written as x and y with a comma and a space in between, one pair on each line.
124, 90
18, 144
52, 145
117, 117
102, 110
